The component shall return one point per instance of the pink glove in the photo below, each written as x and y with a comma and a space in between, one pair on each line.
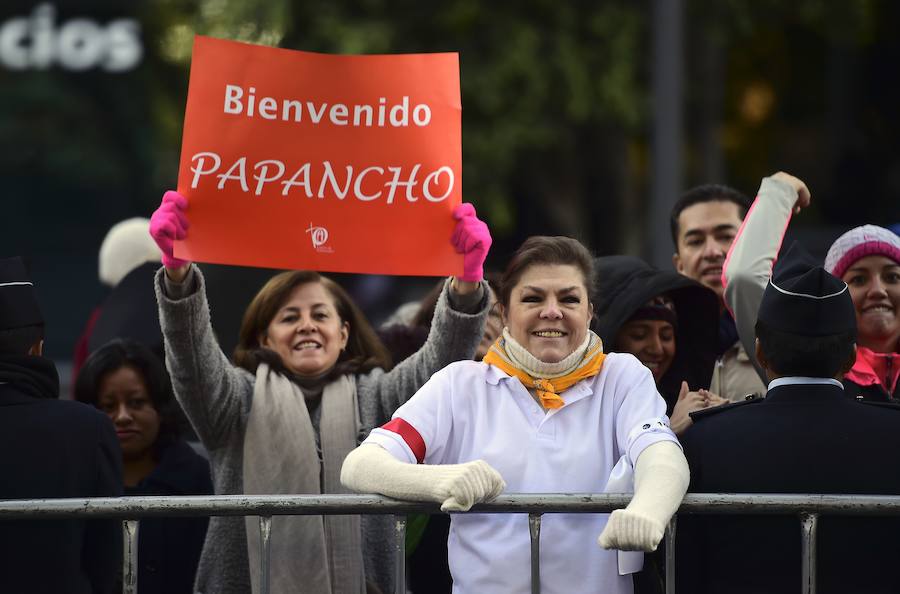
471, 238
169, 223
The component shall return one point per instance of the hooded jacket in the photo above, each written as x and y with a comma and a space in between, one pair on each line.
625, 283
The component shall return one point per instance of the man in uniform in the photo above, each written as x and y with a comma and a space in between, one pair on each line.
805, 436
49, 449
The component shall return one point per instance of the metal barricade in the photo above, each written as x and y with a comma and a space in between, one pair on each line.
806, 507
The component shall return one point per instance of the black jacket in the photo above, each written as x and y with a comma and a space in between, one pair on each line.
51, 449
625, 283
169, 548
798, 439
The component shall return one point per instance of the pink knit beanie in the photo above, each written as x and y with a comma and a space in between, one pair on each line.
868, 240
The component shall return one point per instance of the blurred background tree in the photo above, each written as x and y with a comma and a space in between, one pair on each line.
557, 122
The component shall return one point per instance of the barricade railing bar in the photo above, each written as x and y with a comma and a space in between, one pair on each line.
808, 508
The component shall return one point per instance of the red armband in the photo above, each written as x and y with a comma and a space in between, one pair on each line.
409, 435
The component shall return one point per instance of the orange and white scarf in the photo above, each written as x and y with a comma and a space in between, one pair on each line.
547, 379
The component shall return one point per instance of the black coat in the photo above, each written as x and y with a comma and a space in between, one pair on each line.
169, 548
798, 439
51, 449
625, 283
130, 311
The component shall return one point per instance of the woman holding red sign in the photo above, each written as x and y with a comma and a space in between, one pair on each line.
307, 383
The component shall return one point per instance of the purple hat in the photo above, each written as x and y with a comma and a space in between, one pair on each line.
868, 240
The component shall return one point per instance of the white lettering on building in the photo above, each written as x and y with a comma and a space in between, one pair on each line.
39, 42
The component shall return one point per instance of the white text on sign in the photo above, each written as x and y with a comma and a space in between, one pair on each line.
237, 102
436, 186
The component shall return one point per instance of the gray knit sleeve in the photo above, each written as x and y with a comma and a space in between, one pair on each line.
180, 290
454, 336
752, 256
214, 394
469, 303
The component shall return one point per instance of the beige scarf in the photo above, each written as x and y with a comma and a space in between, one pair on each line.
308, 553
547, 379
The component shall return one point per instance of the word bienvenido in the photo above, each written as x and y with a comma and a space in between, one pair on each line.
239, 102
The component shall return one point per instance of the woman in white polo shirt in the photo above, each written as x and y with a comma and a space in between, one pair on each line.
546, 411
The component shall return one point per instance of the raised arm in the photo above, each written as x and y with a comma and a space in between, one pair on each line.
456, 328
748, 265
454, 336
471, 238
213, 393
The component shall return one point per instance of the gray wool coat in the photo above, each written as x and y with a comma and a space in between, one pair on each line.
217, 396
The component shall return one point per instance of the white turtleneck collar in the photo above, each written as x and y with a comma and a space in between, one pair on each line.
541, 369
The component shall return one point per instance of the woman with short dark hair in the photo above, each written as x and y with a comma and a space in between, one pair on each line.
545, 411
129, 383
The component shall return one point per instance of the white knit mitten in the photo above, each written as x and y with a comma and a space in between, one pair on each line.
661, 478
457, 487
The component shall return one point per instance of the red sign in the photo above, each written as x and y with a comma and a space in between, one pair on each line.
312, 161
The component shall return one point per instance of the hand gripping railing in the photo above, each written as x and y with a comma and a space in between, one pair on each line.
806, 507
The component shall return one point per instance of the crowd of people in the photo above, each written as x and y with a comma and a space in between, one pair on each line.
739, 370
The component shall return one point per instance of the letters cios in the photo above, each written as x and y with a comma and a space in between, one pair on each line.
38, 42
366, 185
239, 102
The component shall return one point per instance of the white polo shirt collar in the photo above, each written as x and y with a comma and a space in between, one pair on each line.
579, 391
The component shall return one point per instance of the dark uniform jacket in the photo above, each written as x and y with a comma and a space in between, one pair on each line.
801, 438
169, 548
53, 449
